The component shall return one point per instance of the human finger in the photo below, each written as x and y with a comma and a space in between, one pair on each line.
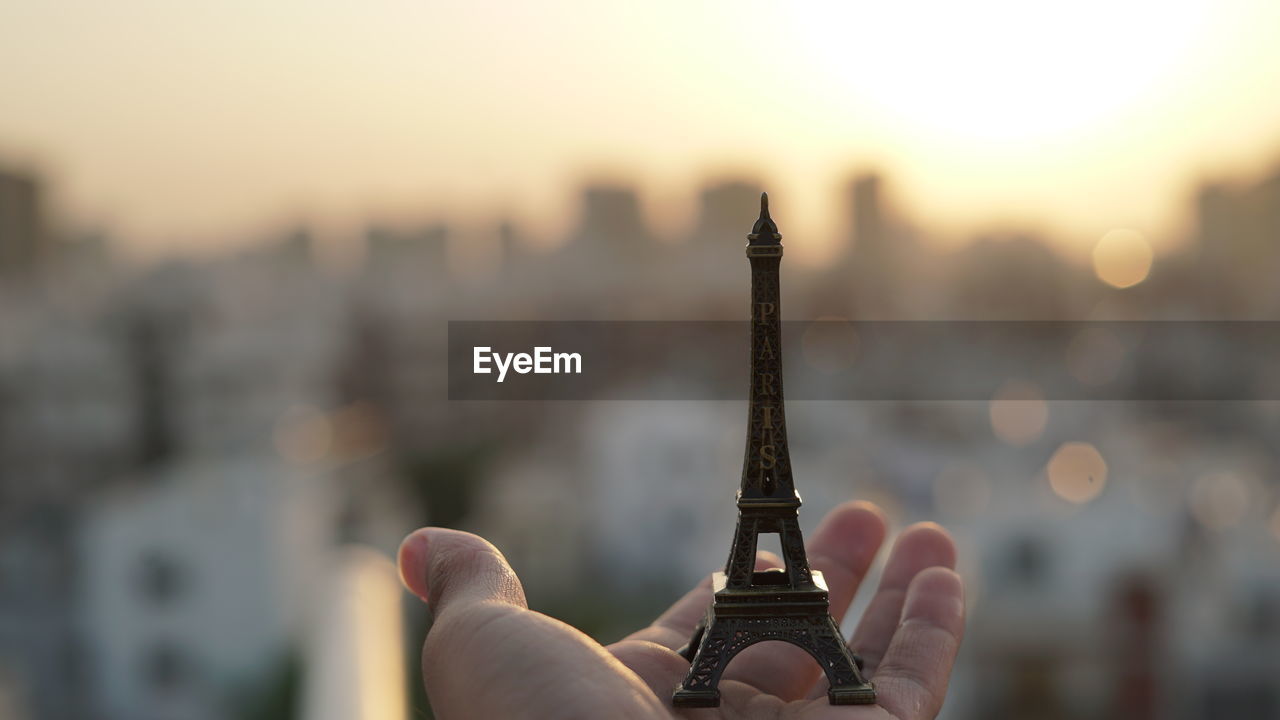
921, 546
487, 655
911, 682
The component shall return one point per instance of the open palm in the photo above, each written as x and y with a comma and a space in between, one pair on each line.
488, 656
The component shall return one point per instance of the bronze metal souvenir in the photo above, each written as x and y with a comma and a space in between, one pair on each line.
788, 603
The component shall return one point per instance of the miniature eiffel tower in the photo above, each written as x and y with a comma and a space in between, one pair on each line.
790, 603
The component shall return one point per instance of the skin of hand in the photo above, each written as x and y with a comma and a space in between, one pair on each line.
488, 656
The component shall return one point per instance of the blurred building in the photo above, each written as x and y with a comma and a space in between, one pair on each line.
876, 260
721, 209
67, 428
1012, 277
197, 589
23, 231
606, 266
1237, 227
611, 222
173, 482
185, 448
880, 272
420, 252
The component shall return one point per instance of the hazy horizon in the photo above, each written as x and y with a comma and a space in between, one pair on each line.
181, 128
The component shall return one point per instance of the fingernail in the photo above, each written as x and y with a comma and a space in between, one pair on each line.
412, 559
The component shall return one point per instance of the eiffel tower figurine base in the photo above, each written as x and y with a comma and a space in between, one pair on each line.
769, 610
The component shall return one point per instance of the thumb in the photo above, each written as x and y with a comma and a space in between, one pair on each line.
448, 567
488, 656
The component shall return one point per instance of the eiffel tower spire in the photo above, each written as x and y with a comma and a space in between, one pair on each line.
789, 603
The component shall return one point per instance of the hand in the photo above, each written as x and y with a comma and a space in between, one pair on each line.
488, 656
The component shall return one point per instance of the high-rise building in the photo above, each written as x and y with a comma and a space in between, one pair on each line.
868, 219
611, 220
721, 209
870, 269
1236, 227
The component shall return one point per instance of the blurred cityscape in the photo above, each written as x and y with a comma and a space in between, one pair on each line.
194, 453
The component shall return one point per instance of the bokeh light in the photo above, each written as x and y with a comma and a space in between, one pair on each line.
358, 430
1122, 258
1077, 473
1018, 412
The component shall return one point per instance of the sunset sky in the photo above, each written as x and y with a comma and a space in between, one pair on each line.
182, 125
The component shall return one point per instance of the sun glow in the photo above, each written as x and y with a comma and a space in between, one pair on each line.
1005, 70
174, 124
